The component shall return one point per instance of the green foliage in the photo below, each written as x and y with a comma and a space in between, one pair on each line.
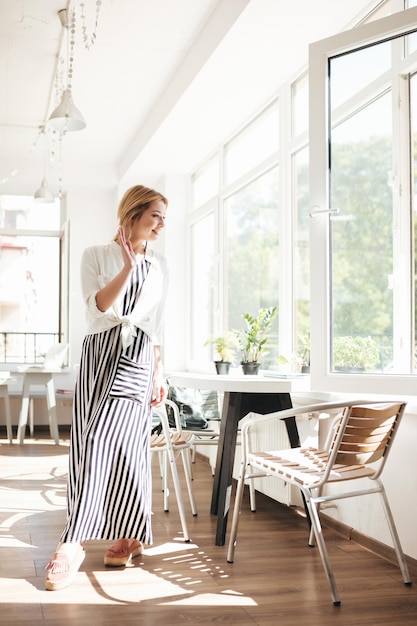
225, 345
355, 352
253, 339
362, 241
252, 227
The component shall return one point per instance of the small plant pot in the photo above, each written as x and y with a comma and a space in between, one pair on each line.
222, 367
250, 368
305, 369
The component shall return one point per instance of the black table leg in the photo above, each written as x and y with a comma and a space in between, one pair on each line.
235, 406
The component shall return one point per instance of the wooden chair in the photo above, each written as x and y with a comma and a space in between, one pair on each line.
171, 443
357, 448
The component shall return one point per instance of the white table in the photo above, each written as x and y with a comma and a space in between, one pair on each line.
242, 394
38, 376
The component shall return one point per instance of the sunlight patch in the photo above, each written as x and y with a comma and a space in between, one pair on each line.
135, 585
215, 599
169, 548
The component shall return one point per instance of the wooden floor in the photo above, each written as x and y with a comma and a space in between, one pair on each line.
275, 579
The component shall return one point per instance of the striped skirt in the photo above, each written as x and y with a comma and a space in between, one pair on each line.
109, 475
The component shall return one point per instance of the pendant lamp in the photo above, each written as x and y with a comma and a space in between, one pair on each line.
66, 117
44, 194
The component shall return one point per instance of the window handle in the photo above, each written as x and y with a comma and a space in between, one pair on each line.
316, 211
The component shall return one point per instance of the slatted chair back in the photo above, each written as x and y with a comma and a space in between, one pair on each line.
364, 434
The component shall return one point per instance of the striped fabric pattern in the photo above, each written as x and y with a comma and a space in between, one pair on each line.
109, 476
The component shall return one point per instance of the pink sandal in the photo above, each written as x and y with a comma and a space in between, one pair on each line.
121, 553
61, 571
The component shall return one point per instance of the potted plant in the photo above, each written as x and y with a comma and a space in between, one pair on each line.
252, 340
224, 346
355, 353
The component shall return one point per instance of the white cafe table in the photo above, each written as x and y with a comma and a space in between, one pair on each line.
242, 394
44, 377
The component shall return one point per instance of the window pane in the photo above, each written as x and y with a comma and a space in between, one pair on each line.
251, 254
301, 256
205, 182
350, 73
203, 286
29, 278
29, 296
361, 238
253, 145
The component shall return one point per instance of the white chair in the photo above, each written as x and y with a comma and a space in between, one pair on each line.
208, 437
169, 444
357, 448
42, 375
5, 380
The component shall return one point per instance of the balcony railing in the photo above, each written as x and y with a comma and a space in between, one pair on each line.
25, 347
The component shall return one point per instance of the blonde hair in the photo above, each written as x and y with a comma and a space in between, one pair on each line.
134, 202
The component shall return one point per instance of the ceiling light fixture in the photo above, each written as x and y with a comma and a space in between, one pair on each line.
44, 194
66, 117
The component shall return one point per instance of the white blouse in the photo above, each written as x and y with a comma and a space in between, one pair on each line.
99, 265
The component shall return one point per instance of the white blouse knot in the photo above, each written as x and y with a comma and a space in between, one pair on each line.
129, 331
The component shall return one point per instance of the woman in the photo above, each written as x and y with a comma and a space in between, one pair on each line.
120, 378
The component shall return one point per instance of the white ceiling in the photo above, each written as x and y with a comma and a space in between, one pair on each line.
163, 84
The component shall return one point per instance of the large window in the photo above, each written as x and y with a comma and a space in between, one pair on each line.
30, 279
349, 236
249, 234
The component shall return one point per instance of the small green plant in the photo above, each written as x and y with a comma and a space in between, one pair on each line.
225, 345
252, 340
355, 353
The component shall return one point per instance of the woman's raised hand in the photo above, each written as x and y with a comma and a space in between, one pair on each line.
129, 256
